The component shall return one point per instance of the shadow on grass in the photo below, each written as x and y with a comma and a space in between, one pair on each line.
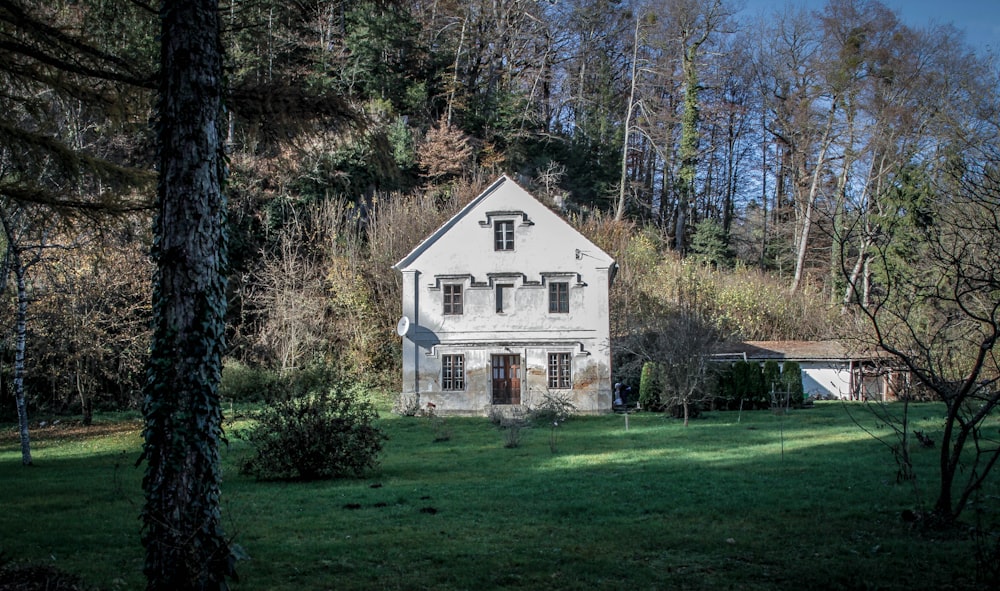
799, 501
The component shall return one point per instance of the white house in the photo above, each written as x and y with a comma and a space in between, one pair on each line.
505, 303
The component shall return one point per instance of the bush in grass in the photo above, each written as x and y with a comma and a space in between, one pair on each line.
40, 577
772, 376
748, 385
511, 421
325, 433
649, 387
791, 380
725, 398
242, 383
554, 408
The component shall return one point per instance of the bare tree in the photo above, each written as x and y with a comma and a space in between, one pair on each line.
941, 318
19, 256
630, 108
288, 292
678, 345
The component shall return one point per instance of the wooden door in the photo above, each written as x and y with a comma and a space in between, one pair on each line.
506, 379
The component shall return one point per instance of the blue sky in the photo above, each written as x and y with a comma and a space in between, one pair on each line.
980, 19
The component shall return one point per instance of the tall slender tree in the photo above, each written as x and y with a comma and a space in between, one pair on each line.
182, 531
693, 23
18, 257
58, 88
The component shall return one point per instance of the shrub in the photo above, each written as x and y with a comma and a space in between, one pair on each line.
725, 394
748, 385
554, 408
511, 421
649, 387
772, 378
242, 383
326, 433
29, 577
791, 380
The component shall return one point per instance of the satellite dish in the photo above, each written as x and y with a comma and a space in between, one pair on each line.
403, 326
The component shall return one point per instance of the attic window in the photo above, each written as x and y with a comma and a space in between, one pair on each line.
503, 235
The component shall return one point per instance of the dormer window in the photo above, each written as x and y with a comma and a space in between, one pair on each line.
503, 235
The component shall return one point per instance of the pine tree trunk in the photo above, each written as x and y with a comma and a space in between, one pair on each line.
185, 545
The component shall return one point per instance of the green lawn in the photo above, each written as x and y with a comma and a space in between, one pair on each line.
721, 504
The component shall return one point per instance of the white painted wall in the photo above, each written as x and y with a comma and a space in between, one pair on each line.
826, 379
546, 249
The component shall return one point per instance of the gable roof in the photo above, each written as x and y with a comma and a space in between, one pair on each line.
791, 350
509, 198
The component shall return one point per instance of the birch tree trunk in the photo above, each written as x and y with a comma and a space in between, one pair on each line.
14, 261
623, 188
800, 258
185, 545
20, 342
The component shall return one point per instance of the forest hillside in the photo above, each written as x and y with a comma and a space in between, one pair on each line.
793, 175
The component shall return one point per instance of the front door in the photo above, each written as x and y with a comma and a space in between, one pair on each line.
506, 379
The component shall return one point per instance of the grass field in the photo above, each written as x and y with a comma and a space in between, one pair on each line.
734, 501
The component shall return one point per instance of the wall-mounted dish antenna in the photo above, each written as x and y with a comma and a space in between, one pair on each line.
403, 326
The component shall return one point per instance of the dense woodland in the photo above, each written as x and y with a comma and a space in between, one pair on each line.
776, 176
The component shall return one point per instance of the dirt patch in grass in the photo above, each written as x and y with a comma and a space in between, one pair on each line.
72, 429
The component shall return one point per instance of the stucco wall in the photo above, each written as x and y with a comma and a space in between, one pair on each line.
825, 379
546, 249
590, 393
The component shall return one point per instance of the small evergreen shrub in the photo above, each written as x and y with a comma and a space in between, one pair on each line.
791, 379
709, 244
748, 385
649, 387
726, 398
772, 378
325, 433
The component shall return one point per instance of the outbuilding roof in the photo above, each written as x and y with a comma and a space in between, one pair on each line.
829, 350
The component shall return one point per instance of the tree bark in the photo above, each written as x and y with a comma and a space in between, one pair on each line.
689, 144
803, 246
19, 349
182, 533
623, 187
13, 260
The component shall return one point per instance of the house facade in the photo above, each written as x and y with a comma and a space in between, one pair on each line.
502, 305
